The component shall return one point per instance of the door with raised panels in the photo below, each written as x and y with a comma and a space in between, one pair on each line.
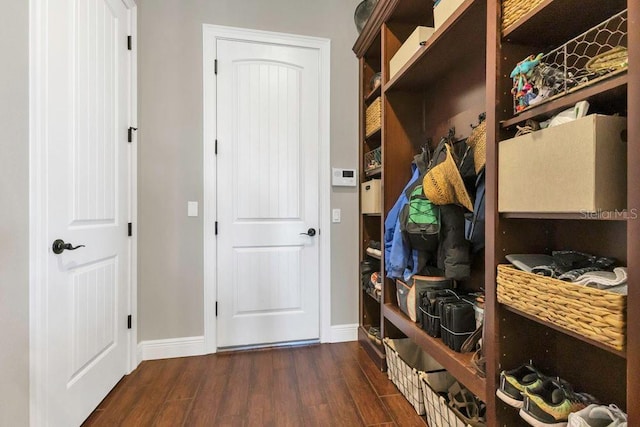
86, 166
267, 186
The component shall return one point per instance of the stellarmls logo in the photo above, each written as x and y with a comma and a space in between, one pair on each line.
610, 215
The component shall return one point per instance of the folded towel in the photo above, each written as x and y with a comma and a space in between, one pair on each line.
605, 279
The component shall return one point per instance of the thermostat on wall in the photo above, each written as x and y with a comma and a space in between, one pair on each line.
343, 177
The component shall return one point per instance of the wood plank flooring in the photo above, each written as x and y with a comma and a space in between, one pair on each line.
318, 385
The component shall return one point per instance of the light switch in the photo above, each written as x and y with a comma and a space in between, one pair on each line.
192, 208
335, 215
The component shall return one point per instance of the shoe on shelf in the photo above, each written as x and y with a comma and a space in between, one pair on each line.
551, 402
374, 335
514, 382
374, 248
598, 416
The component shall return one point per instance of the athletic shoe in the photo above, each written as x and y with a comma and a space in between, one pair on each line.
598, 416
513, 383
374, 335
550, 403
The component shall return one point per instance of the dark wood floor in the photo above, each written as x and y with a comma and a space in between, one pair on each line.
327, 385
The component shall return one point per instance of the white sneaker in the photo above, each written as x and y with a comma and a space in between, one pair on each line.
598, 416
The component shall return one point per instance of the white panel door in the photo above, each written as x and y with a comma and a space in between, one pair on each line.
267, 175
87, 190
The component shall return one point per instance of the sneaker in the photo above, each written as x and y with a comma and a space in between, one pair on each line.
598, 416
550, 403
374, 335
513, 383
374, 249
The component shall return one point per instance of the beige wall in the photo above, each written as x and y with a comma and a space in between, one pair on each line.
14, 215
170, 148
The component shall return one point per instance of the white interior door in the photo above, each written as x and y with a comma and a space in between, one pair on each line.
87, 193
267, 186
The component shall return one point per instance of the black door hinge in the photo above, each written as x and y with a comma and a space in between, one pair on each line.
129, 43
216, 228
130, 229
130, 133
129, 322
216, 148
215, 66
216, 308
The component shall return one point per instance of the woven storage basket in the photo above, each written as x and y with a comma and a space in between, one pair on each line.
373, 117
593, 313
512, 10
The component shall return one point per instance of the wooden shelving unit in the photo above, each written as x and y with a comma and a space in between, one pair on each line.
522, 337
461, 71
446, 51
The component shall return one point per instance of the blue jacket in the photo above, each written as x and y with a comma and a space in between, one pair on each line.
399, 260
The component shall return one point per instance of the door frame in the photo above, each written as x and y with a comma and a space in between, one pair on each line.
212, 33
38, 239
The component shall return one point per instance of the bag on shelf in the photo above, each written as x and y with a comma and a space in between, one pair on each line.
410, 295
430, 308
420, 221
458, 322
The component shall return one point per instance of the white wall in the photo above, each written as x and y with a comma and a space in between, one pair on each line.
170, 151
14, 214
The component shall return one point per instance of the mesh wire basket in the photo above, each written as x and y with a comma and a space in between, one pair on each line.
597, 54
373, 160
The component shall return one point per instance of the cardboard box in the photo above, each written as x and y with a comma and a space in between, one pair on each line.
370, 197
443, 10
408, 48
579, 166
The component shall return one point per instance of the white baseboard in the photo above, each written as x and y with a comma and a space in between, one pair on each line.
344, 333
169, 348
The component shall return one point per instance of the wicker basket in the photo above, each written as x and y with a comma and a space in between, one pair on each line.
512, 10
373, 118
593, 313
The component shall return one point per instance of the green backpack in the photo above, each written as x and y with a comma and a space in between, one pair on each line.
420, 221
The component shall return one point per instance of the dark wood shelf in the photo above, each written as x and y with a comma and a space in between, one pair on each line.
458, 364
374, 135
373, 215
619, 353
373, 297
450, 47
561, 20
375, 351
373, 256
369, 40
371, 96
587, 216
600, 92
